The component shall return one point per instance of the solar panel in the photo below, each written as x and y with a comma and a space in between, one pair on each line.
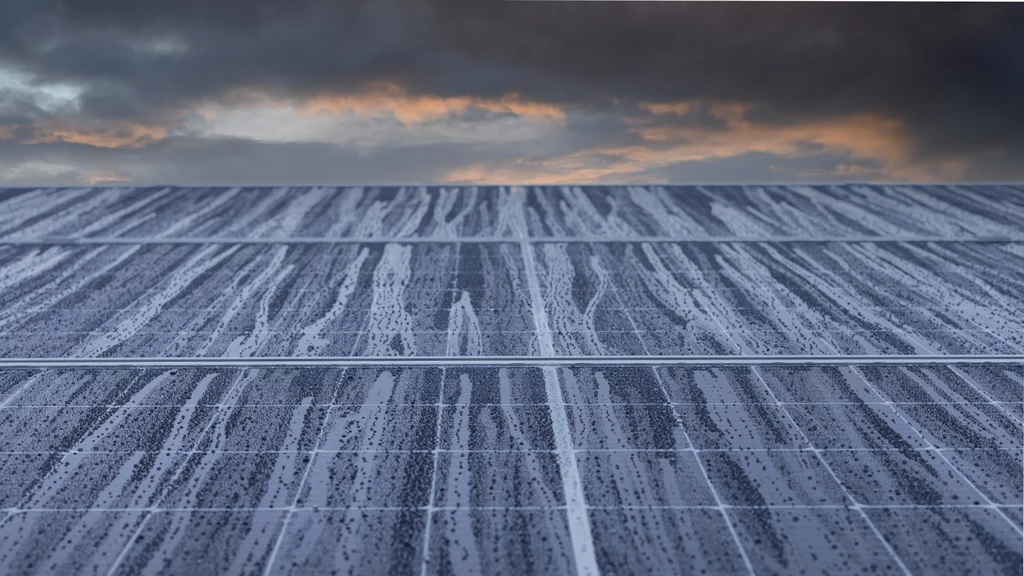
590, 380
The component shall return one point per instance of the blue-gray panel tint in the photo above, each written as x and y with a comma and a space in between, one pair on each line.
951, 540
804, 299
204, 542
92, 541
444, 299
811, 541
339, 469
638, 541
268, 300
488, 541
438, 212
352, 541
456, 469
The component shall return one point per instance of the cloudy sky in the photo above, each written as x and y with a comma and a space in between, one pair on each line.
497, 91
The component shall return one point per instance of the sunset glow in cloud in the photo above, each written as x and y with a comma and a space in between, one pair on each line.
426, 91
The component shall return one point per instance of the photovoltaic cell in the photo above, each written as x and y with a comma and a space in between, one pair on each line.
608, 467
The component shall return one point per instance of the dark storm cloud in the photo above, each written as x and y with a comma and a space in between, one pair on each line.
952, 73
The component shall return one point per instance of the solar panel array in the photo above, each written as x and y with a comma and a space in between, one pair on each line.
589, 380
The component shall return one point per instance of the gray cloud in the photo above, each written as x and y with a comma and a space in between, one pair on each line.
952, 73
222, 161
200, 161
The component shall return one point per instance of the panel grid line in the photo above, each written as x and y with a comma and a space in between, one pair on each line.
576, 507
893, 408
64, 455
438, 332
940, 454
178, 470
497, 451
856, 504
431, 507
312, 459
299, 240
967, 381
302, 482
994, 332
299, 509
703, 470
521, 361
449, 405
1014, 418
786, 269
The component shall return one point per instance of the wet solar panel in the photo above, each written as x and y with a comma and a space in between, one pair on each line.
526, 380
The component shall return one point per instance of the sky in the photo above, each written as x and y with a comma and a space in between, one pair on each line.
119, 92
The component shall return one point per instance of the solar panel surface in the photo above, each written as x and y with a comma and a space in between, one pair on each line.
590, 380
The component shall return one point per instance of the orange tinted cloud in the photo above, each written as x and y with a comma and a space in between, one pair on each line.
116, 135
406, 107
879, 140
374, 101
562, 171
870, 137
572, 169
721, 109
94, 178
864, 136
875, 137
